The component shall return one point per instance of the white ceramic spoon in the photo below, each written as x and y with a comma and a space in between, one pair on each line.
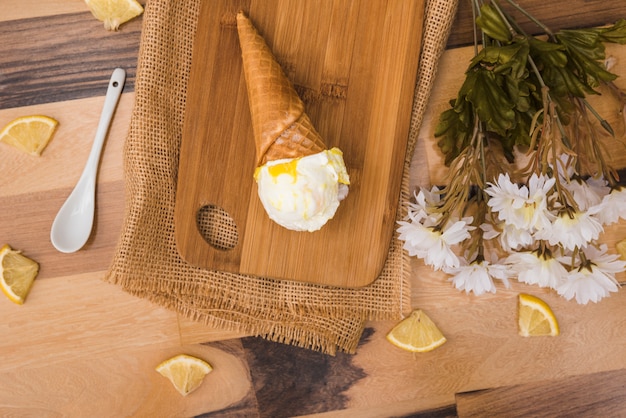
72, 226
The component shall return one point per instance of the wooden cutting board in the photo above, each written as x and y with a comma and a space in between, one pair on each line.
354, 64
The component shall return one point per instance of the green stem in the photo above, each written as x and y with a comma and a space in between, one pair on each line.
532, 18
564, 137
533, 66
602, 121
513, 32
475, 12
506, 21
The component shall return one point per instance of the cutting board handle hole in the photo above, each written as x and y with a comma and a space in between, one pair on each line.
217, 227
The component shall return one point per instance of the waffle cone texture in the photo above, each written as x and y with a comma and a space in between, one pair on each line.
281, 127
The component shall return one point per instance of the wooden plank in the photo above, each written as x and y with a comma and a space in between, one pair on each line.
123, 382
598, 394
39, 66
61, 163
580, 13
78, 317
370, 124
25, 223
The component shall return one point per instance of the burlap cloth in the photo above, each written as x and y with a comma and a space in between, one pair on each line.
146, 262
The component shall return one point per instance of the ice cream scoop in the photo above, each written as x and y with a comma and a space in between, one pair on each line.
302, 194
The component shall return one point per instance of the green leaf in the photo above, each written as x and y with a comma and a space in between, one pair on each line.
455, 129
492, 25
519, 92
585, 51
565, 67
521, 133
563, 82
614, 34
509, 58
585, 41
548, 53
490, 100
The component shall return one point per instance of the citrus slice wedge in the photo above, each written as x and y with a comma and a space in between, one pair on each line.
30, 134
535, 318
114, 12
17, 273
416, 333
185, 372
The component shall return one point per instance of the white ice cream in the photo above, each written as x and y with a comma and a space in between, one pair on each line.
302, 194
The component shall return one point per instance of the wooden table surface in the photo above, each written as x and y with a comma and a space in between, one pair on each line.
82, 347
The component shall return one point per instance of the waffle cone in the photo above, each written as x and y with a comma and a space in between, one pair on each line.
281, 127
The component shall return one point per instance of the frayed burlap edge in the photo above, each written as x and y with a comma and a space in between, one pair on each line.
146, 262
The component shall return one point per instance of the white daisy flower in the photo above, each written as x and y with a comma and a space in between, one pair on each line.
592, 282
510, 237
614, 207
478, 277
422, 208
524, 207
572, 229
536, 269
432, 245
587, 193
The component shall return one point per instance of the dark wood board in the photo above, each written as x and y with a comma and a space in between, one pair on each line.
595, 395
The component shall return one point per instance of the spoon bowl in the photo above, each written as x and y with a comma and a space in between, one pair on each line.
74, 221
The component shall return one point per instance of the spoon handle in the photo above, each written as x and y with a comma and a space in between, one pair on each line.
114, 91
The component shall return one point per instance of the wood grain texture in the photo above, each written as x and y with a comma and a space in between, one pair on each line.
356, 64
124, 383
78, 120
597, 395
37, 187
39, 66
82, 347
576, 14
293, 381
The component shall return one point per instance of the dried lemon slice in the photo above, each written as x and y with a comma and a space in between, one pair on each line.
535, 318
417, 333
30, 134
185, 372
17, 273
114, 12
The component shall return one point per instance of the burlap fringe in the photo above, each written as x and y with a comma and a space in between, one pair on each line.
302, 333
316, 317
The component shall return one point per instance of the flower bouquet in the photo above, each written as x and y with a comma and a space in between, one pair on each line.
530, 185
